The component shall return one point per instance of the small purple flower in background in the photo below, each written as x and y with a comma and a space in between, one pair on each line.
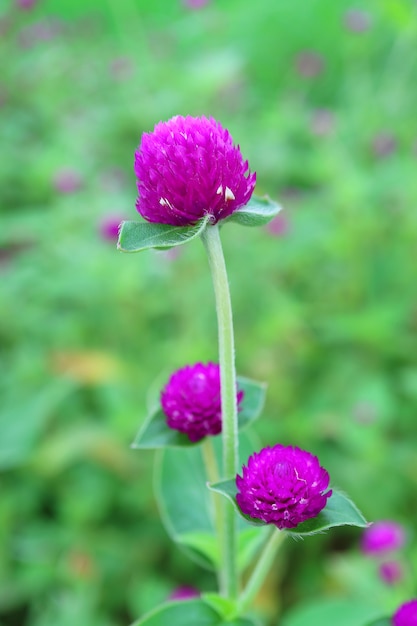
109, 227
357, 21
25, 4
382, 537
121, 68
406, 614
278, 226
195, 4
309, 64
187, 168
322, 122
191, 400
185, 592
282, 485
383, 145
67, 181
391, 572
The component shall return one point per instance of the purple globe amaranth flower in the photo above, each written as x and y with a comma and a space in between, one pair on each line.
382, 537
391, 572
187, 168
406, 614
185, 592
191, 400
282, 485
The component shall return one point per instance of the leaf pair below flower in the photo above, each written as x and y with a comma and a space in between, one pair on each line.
137, 236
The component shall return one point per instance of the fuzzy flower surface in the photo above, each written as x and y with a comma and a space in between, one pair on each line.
189, 167
382, 537
406, 614
191, 401
282, 485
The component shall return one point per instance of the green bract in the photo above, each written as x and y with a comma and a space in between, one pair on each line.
136, 236
339, 511
156, 434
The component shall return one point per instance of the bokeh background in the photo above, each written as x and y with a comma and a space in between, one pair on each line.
322, 98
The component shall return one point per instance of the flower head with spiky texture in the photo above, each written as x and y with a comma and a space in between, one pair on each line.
406, 614
382, 537
188, 167
191, 400
282, 485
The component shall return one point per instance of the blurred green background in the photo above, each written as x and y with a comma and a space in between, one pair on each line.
322, 98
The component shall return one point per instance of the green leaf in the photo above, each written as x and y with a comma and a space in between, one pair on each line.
137, 236
182, 613
253, 400
155, 433
331, 611
382, 621
339, 511
186, 505
195, 612
258, 212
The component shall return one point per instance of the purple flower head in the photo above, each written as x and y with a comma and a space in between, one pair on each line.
309, 64
25, 4
191, 400
278, 226
357, 20
109, 227
188, 167
391, 572
185, 592
282, 485
406, 614
382, 537
195, 4
67, 181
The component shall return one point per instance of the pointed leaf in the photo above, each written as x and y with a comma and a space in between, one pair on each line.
181, 613
137, 236
253, 400
186, 505
155, 433
258, 212
339, 511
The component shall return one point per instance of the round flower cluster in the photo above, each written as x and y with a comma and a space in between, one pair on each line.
191, 400
406, 615
382, 537
187, 168
282, 485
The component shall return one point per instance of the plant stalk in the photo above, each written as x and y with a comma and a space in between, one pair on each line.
212, 243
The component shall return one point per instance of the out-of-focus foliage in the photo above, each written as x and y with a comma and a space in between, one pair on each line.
321, 97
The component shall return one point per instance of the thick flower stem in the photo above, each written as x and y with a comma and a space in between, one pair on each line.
212, 242
260, 571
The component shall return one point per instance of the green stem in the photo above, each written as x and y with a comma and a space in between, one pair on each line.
212, 242
212, 473
261, 570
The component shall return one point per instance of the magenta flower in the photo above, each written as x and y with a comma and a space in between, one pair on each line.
391, 572
382, 537
406, 614
357, 20
109, 227
67, 181
187, 168
282, 485
195, 4
25, 4
185, 592
191, 400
